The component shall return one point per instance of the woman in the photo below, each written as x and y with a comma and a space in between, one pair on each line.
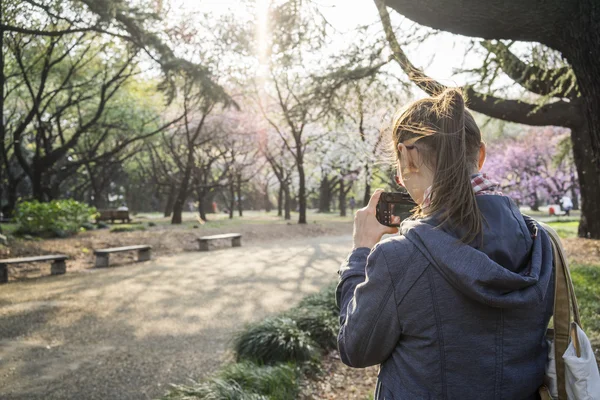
457, 305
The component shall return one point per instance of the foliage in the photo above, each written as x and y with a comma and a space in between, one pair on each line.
325, 299
525, 168
276, 339
127, 228
59, 218
214, 389
586, 279
320, 323
277, 382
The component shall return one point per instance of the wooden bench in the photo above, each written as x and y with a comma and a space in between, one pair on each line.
58, 264
236, 240
102, 255
112, 215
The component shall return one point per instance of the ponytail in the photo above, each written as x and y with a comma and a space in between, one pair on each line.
450, 144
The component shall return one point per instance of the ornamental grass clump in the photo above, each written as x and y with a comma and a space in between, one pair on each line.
277, 382
320, 323
325, 299
275, 340
213, 389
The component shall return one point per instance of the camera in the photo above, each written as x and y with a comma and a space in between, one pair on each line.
394, 208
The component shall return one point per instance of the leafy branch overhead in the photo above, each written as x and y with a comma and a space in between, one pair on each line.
119, 19
559, 113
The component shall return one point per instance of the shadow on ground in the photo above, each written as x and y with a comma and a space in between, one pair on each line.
127, 332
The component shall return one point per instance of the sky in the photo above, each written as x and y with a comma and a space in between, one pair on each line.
440, 56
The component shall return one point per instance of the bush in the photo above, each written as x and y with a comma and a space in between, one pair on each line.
151, 224
243, 381
325, 300
58, 218
277, 382
275, 340
214, 389
320, 323
127, 228
88, 226
102, 225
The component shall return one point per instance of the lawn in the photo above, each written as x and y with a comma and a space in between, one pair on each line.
565, 228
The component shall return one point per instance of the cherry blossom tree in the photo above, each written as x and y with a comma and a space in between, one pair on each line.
530, 168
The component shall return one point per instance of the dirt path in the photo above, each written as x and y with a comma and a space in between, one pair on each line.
127, 332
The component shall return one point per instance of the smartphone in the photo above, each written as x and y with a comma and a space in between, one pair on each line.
394, 208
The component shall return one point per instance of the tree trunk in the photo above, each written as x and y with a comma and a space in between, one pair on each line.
535, 205
301, 193
182, 195
342, 198
170, 201
268, 204
231, 197
239, 195
581, 47
280, 200
367, 195
201, 209
589, 183
325, 195
288, 202
36, 184
575, 198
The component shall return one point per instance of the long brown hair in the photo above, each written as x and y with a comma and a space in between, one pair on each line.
448, 142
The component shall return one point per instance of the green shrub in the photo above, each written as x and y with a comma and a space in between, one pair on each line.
127, 228
214, 389
274, 340
88, 226
58, 218
278, 382
151, 223
102, 225
320, 323
325, 299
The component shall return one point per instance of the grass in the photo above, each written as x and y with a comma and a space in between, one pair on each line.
127, 228
565, 229
275, 340
586, 279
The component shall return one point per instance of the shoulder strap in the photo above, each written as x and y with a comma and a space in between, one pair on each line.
564, 302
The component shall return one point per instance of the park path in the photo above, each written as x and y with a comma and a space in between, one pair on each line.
128, 332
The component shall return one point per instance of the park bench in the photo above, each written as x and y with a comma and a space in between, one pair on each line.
236, 240
113, 215
102, 255
58, 264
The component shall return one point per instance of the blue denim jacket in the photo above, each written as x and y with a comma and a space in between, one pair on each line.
447, 320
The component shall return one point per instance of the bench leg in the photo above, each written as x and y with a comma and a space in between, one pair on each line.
144, 255
237, 242
59, 267
3, 273
203, 245
102, 260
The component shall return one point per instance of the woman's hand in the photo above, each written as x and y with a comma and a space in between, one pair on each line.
367, 230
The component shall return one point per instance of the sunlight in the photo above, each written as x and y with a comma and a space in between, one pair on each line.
263, 34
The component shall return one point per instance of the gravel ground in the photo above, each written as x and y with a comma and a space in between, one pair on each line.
127, 332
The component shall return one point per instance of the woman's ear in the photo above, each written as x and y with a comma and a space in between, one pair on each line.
401, 148
482, 155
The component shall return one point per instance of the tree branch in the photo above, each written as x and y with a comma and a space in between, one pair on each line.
558, 82
526, 20
560, 113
